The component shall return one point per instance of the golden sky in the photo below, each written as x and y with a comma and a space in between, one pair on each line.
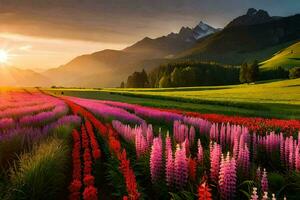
41, 34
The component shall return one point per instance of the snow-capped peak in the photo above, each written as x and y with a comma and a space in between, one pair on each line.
202, 30
203, 26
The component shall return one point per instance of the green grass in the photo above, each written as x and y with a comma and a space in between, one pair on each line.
286, 58
41, 172
277, 99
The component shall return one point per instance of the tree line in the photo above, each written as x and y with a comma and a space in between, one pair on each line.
194, 73
184, 74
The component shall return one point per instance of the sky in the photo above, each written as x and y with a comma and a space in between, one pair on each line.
41, 34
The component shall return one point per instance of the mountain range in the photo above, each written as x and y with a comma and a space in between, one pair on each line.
255, 35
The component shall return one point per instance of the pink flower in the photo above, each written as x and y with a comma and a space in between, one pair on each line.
169, 168
243, 159
258, 174
200, 152
227, 177
192, 135
297, 158
156, 162
168, 144
180, 167
264, 181
215, 157
254, 195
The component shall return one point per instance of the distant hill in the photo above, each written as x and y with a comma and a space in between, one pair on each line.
238, 42
286, 58
12, 76
108, 67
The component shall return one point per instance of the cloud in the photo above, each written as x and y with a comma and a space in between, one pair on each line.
25, 48
123, 21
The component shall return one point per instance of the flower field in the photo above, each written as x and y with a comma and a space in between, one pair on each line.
60, 147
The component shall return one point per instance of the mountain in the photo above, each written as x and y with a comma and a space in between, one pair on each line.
108, 67
202, 30
238, 42
252, 16
255, 35
166, 46
286, 58
12, 76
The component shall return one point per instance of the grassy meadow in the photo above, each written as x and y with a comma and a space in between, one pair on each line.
286, 58
277, 99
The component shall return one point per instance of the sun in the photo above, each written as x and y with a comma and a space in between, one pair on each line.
3, 56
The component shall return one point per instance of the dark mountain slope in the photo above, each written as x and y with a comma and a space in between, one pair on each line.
233, 44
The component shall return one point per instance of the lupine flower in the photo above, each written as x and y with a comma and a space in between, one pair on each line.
254, 195
243, 159
180, 132
141, 145
291, 153
192, 169
192, 135
227, 177
180, 167
215, 157
201, 124
93, 141
297, 158
265, 196
168, 144
169, 168
264, 181
214, 132
186, 145
89, 180
200, 152
258, 174
90, 193
223, 135
106, 111
204, 192
156, 162
129, 176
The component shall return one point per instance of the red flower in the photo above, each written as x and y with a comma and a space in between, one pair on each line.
75, 186
204, 192
75, 196
89, 180
192, 169
90, 193
129, 177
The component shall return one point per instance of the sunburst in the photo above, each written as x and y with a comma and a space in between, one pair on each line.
4, 56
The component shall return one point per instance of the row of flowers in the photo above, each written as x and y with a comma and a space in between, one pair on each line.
256, 124
110, 136
232, 134
46, 103
84, 154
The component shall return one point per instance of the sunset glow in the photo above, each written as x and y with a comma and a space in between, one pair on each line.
3, 56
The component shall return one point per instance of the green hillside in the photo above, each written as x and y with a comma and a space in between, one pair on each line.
286, 58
